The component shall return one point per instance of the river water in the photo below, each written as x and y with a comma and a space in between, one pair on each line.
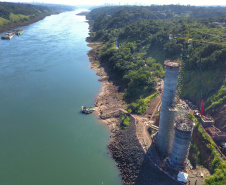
44, 80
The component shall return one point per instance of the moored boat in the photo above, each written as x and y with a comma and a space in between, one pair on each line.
18, 32
8, 36
87, 110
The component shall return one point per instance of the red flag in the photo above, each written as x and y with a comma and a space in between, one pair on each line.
202, 107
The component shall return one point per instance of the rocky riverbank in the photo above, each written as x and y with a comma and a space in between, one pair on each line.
124, 146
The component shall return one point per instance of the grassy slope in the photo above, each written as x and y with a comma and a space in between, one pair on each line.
18, 17
3, 21
19, 21
159, 55
14, 15
212, 84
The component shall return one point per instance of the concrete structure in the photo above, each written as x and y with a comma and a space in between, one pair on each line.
183, 134
164, 137
207, 121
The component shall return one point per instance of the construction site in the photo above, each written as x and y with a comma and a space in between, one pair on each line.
171, 132
158, 141
161, 136
170, 138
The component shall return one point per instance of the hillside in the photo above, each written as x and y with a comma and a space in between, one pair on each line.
13, 15
142, 34
120, 16
144, 41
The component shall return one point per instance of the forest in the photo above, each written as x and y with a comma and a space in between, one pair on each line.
142, 34
144, 45
17, 14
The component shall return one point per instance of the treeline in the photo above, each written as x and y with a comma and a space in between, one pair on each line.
148, 40
17, 14
120, 16
56, 7
17, 8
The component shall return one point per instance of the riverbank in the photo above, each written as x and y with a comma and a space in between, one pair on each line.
9, 27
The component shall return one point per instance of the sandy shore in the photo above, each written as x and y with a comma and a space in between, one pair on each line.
109, 102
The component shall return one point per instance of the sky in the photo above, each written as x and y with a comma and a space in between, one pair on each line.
122, 2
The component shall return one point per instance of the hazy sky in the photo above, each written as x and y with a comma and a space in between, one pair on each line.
93, 2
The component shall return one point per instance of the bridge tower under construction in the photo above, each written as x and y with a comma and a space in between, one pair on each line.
183, 133
165, 135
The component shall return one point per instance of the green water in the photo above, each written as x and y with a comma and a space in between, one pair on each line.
44, 80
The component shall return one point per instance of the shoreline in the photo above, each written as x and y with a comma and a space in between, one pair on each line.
108, 108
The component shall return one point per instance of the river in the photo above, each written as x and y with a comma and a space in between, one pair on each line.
45, 78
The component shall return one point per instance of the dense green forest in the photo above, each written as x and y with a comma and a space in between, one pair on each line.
142, 34
17, 14
120, 16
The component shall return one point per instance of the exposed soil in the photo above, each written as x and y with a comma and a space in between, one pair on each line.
220, 117
202, 147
